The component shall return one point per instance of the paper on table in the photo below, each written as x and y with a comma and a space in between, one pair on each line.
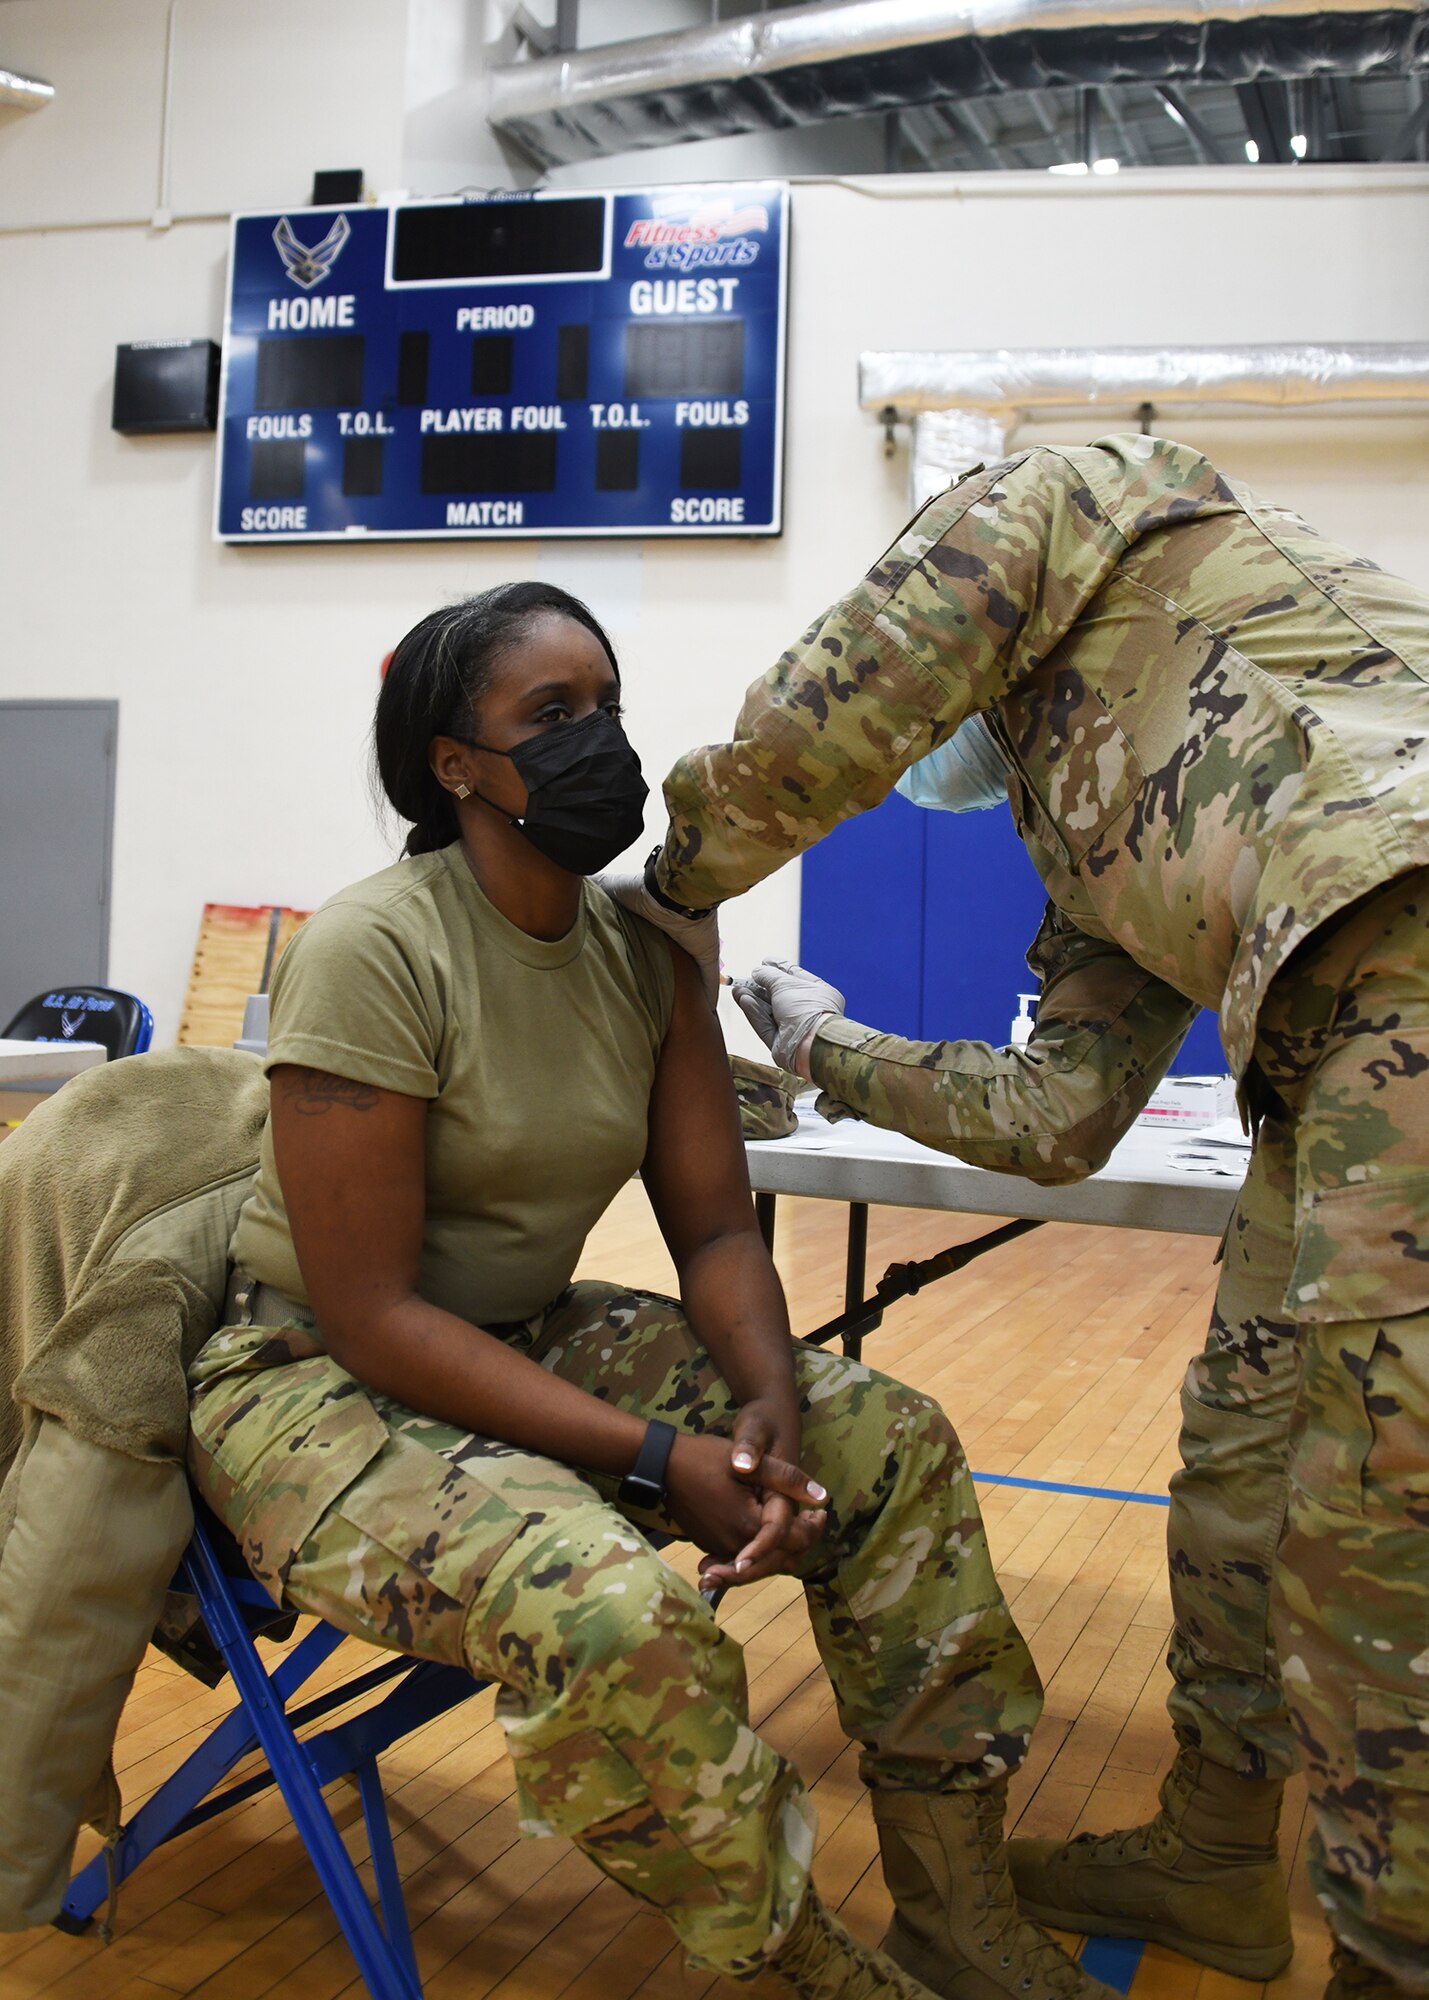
814, 1134
1229, 1166
1221, 1148
1224, 1132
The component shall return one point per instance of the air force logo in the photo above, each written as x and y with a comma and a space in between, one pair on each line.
309, 267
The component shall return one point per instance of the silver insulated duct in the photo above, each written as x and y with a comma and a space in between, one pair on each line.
964, 404
1008, 381
26, 93
846, 57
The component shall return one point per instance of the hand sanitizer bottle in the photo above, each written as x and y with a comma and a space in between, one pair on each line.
1022, 1022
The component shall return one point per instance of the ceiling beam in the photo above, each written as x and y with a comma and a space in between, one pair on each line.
1129, 152
972, 112
1267, 123
568, 25
1195, 127
1407, 143
967, 137
1351, 146
906, 131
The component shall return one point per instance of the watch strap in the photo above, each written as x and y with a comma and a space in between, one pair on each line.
644, 1484
657, 894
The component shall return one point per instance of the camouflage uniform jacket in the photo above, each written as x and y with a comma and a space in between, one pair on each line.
1215, 720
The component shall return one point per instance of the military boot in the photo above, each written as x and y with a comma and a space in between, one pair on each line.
1203, 1877
1352, 1979
956, 1923
820, 1960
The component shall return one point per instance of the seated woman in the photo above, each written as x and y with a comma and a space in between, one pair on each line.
421, 1430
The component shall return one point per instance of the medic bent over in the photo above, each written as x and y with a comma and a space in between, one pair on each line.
1212, 726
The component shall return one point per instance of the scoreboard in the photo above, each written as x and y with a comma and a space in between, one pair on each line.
585, 363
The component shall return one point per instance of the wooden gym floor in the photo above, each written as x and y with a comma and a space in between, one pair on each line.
1058, 1358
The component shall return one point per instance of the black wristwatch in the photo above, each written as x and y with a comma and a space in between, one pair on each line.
644, 1484
653, 889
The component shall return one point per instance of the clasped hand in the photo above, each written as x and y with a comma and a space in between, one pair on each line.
744, 1500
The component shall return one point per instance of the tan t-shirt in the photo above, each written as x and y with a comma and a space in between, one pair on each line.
537, 1059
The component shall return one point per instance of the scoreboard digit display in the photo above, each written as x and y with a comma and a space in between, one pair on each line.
591, 363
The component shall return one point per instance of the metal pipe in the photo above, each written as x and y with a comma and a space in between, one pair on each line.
1010, 382
948, 443
1087, 126
26, 93
1127, 150
763, 44
1192, 124
833, 58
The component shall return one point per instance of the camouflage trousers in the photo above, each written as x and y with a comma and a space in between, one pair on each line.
624, 1705
1299, 1532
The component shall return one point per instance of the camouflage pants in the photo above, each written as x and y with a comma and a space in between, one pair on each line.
1299, 1530
623, 1703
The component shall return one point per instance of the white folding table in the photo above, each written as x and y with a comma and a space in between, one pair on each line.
859, 1164
41, 1062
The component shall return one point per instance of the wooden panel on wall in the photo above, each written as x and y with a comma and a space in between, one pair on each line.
237, 950
17, 1104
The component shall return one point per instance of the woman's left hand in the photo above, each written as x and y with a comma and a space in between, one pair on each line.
764, 1453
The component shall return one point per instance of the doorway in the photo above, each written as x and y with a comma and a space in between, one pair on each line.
57, 762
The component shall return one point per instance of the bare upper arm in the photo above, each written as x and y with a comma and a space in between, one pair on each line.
694, 1168
351, 1163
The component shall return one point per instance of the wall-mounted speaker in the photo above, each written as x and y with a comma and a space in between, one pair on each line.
165, 385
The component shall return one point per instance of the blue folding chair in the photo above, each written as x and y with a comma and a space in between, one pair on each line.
104, 1014
235, 1608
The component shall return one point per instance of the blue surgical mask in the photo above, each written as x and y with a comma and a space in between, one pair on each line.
965, 774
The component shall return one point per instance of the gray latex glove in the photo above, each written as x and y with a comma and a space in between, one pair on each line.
784, 1004
699, 936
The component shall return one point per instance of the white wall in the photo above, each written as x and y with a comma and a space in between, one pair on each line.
263, 92
246, 677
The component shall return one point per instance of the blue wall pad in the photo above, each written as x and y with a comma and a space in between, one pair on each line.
1081, 1492
923, 919
1112, 1960
982, 905
861, 915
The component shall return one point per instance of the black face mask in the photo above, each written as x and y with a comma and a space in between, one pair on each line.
585, 797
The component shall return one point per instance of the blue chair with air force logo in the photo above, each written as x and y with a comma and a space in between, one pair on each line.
122, 1023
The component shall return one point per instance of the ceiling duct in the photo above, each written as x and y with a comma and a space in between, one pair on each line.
965, 404
27, 93
1009, 382
848, 57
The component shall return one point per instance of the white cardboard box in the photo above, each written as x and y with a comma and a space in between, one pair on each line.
1189, 1103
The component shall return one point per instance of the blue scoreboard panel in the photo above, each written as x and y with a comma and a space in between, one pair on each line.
592, 363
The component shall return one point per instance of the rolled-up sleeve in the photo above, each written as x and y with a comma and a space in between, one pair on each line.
352, 996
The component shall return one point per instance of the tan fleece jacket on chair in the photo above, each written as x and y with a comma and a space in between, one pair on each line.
117, 1201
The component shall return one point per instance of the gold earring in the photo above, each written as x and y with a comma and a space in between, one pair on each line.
462, 791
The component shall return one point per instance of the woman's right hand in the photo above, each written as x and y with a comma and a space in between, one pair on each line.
723, 1513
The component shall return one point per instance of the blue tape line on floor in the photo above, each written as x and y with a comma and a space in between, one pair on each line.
1082, 1492
1112, 1960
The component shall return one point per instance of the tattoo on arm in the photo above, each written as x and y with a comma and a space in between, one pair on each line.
313, 1092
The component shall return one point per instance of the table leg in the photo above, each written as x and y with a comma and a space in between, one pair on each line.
899, 1281
764, 1216
854, 1273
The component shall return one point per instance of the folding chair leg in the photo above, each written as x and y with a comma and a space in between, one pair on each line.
388, 1973
165, 1813
157, 1817
384, 1866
